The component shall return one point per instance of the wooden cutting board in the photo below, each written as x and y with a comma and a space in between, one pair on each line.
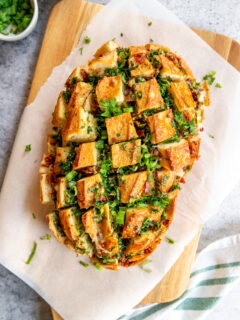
66, 22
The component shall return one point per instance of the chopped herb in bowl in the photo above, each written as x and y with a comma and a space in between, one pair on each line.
15, 16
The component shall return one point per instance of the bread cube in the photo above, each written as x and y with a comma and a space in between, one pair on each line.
51, 144
60, 112
79, 95
187, 72
182, 96
194, 146
106, 48
96, 225
55, 227
97, 66
61, 156
132, 186
133, 221
166, 179
161, 126
126, 153
46, 165
155, 47
175, 156
80, 74
61, 193
109, 88
89, 190
83, 245
70, 223
46, 188
149, 97
133, 50
155, 214
101, 231
140, 243
171, 206
141, 66
204, 94
168, 69
120, 128
86, 155
80, 127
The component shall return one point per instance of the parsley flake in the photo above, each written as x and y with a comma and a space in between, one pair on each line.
210, 77
28, 147
150, 23
218, 85
211, 136
170, 241
87, 39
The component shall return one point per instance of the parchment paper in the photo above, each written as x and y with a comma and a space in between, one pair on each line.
87, 294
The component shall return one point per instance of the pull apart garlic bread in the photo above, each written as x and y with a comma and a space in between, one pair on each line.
125, 134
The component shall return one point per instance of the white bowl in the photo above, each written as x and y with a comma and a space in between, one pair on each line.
28, 30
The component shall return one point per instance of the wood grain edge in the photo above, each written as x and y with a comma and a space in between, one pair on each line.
163, 292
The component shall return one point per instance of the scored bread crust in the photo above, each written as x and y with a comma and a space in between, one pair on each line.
126, 131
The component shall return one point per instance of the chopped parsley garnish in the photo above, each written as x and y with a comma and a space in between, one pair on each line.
33, 215
32, 253
85, 265
210, 77
151, 40
211, 136
81, 50
67, 95
87, 39
46, 237
184, 127
66, 166
121, 34
170, 241
28, 147
100, 144
89, 129
143, 264
111, 108
113, 39
217, 85
15, 16
150, 23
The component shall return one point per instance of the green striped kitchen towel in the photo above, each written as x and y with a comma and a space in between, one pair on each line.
215, 272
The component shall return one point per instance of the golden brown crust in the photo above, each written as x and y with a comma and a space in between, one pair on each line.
109, 88
132, 186
175, 156
126, 153
120, 128
149, 97
161, 126
89, 189
126, 134
182, 95
86, 156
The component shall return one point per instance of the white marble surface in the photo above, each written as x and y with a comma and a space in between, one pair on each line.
17, 63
